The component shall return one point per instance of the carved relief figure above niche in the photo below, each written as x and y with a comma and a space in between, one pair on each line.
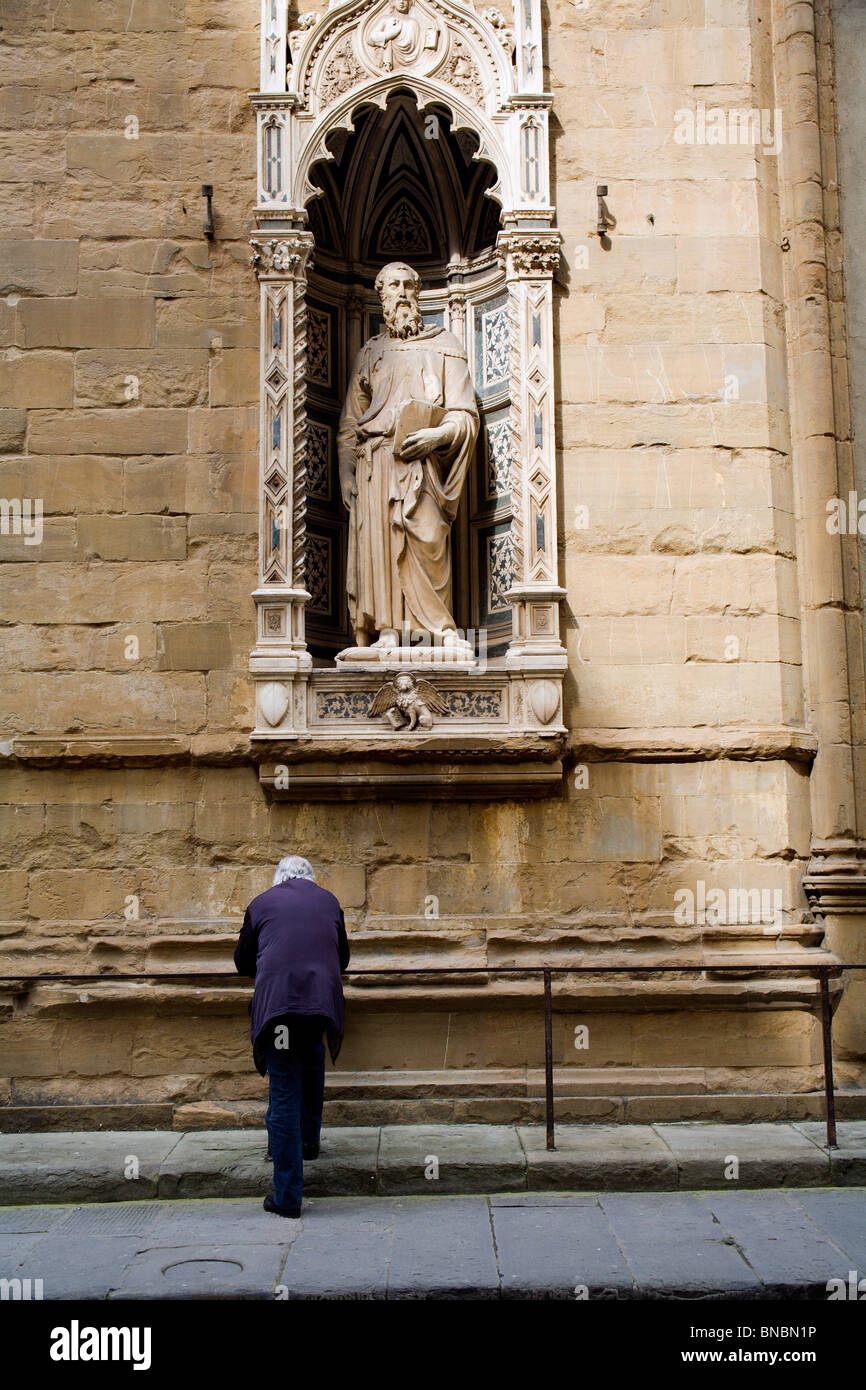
393, 36
409, 132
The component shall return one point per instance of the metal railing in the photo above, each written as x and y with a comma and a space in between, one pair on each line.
822, 972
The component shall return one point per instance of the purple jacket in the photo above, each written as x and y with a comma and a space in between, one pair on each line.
293, 942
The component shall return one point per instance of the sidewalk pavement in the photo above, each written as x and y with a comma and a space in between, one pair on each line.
673, 1245
403, 1160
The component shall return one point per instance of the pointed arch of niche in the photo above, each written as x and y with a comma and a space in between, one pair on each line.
412, 130
386, 164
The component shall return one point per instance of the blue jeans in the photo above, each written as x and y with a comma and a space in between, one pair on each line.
296, 1074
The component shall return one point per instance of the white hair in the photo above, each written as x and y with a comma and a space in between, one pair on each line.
293, 866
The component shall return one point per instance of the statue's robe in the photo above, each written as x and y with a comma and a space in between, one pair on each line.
399, 556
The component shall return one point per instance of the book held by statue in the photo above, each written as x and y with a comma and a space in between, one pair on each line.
415, 415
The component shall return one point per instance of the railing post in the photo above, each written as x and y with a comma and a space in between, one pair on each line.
826, 1027
548, 1059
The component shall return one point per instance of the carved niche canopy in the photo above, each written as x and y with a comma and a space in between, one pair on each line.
455, 724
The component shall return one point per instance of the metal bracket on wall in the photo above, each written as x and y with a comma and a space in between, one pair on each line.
604, 220
207, 192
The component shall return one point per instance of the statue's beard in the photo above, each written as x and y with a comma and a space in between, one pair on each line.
403, 320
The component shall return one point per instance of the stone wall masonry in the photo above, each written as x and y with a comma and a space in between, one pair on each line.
210, 831
39, 267
165, 378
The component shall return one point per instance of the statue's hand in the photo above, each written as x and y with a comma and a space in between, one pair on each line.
349, 491
424, 442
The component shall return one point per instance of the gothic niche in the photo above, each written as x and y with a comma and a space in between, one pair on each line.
402, 186
410, 137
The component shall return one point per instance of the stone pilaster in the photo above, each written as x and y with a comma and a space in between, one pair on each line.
530, 259
280, 651
832, 637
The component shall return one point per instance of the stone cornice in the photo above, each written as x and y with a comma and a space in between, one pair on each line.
734, 743
125, 750
707, 986
753, 743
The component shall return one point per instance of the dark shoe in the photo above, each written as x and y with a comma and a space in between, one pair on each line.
310, 1151
270, 1205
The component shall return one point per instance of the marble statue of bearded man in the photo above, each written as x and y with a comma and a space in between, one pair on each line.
406, 438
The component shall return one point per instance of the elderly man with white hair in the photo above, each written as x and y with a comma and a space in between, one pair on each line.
293, 943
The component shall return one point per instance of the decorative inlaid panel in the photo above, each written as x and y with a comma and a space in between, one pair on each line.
319, 459
318, 346
319, 573
344, 704
474, 704
500, 570
499, 458
462, 704
495, 346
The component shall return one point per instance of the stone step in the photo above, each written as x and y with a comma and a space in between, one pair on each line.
503, 1082
405, 1103
431, 1159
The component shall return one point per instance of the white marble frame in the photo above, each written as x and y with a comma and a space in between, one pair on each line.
497, 94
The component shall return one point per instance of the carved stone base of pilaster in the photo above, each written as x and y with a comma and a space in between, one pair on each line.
835, 881
536, 639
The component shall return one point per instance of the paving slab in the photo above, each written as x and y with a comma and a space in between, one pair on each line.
438, 1159
766, 1155
82, 1167
229, 1221
557, 1248
86, 1267
15, 1220
537, 1199
605, 1157
342, 1250
848, 1159
675, 1248
111, 1219
442, 1247
778, 1240
14, 1249
203, 1271
841, 1215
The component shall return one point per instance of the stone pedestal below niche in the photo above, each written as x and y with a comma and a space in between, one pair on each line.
407, 728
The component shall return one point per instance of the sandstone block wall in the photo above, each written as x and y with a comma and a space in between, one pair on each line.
129, 369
